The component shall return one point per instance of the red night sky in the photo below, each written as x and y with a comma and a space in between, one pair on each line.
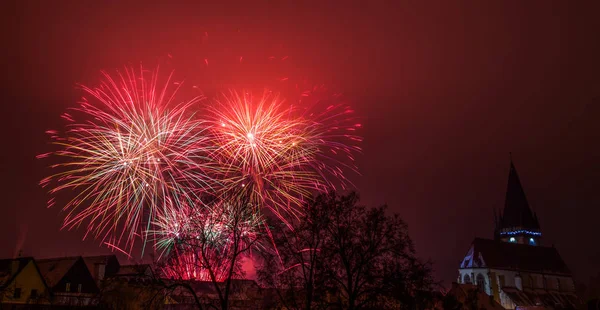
445, 89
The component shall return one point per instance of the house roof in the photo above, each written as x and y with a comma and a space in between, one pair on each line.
133, 270
513, 256
517, 213
6, 276
54, 269
92, 261
541, 298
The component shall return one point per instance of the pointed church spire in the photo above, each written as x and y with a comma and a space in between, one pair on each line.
517, 217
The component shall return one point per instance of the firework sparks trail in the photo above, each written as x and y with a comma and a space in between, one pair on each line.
125, 153
333, 127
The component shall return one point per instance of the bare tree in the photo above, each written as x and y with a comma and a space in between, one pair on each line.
363, 244
295, 268
346, 255
210, 245
140, 291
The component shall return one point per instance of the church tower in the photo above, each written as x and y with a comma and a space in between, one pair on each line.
517, 223
515, 270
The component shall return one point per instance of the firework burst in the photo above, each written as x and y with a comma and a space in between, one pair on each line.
259, 150
276, 155
126, 154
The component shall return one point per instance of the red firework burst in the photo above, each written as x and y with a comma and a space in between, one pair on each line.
278, 155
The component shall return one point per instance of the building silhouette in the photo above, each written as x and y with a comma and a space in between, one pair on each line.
514, 268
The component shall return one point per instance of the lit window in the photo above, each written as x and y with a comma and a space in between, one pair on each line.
68, 287
512, 239
531, 241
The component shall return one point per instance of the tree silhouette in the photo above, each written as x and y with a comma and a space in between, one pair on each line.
346, 255
296, 268
211, 247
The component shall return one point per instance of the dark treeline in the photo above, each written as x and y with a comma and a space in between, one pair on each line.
344, 255
338, 254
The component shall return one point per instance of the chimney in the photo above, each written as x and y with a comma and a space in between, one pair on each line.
519, 282
100, 271
14, 267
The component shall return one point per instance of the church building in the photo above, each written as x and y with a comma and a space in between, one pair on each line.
514, 268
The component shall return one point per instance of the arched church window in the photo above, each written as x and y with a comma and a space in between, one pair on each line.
467, 279
480, 282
